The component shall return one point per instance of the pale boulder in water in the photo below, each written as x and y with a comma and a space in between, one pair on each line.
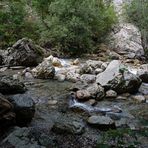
109, 74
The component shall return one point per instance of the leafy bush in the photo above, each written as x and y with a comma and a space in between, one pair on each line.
74, 25
14, 23
137, 13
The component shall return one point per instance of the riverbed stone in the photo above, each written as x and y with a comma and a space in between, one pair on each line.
44, 70
86, 69
68, 125
94, 63
83, 95
28, 75
88, 78
143, 73
93, 89
104, 66
76, 62
56, 62
28, 138
111, 94
126, 83
9, 85
101, 122
98, 70
144, 88
101, 93
60, 77
139, 98
72, 76
24, 108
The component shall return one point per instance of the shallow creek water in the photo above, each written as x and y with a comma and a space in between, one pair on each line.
52, 102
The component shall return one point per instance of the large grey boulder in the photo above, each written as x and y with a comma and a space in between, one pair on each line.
25, 53
24, 108
9, 85
125, 37
127, 41
109, 74
126, 83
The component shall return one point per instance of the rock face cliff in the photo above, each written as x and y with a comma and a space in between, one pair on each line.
125, 37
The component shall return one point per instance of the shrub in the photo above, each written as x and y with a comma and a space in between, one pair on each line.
14, 23
74, 25
137, 13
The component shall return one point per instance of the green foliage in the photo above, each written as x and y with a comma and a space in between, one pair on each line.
122, 138
138, 13
14, 23
74, 25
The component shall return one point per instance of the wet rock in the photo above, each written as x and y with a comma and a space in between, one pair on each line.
7, 116
111, 94
45, 70
143, 73
56, 62
93, 89
24, 108
83, 95
98, 70
102, 122
60, 77
72, 76
86, 69
52, 102
101, 93
76, 62
28, 138
94, 64
144, 88
78, 86
9, 85
139, 98
50, 58
88, 78
3, 69
104, 66
68, 125
24, 52
91, 102
109, 74
28, 75
121, 98
126, 83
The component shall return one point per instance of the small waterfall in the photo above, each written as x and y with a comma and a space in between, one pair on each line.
73, 103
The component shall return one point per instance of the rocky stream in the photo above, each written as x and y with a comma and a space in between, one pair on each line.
96, 101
